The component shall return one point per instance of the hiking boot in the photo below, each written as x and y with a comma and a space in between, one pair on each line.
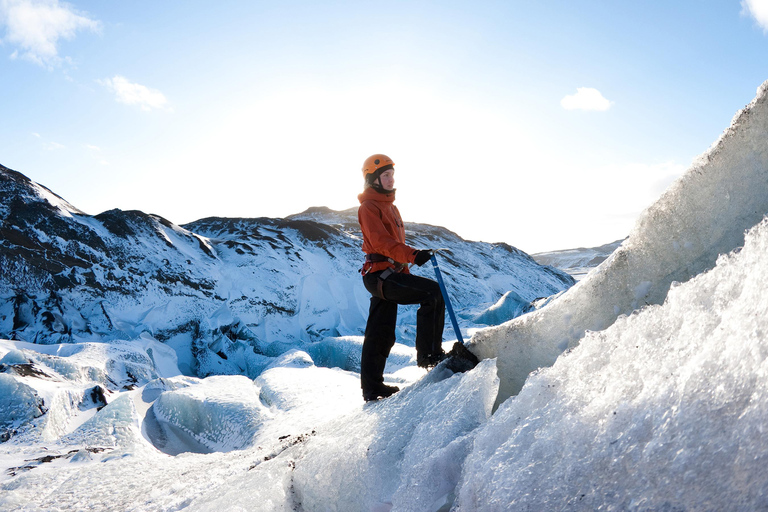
382, 391
388, 390
431, 360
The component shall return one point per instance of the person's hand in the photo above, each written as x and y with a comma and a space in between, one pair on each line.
422, 257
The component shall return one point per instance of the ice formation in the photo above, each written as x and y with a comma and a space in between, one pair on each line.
402, 453
702, 215
664, 410
630, 406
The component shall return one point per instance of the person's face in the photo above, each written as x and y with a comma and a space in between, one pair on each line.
388, 179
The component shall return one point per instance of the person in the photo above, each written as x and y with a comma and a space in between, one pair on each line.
388, 280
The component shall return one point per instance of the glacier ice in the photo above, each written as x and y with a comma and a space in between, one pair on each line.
509, 306
614, 404
19, 404
400, 453
664, 410
220, 413
702, 215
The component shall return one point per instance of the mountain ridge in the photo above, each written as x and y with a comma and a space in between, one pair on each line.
227, 294
579, 261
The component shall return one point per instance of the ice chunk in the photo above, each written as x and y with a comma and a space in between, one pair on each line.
220, 413
163, 357
19, 405
116, 425
345, 352
309, 388
14, 357
509, 306
294, 358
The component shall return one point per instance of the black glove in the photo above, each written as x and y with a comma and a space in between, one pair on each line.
422, 257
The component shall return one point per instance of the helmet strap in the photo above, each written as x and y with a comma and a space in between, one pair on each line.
374, 179
378, 187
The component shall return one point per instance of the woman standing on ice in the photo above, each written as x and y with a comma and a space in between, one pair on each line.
386, 277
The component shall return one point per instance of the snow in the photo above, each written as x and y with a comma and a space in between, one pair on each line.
56, 201
643, 387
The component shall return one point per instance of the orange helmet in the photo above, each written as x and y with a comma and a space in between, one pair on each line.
375, 162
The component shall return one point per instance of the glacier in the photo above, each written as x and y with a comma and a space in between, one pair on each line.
702, 215
229, 295
664, 410
642, 387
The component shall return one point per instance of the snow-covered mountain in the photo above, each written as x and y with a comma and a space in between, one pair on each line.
642, 387
228, 295
577, 262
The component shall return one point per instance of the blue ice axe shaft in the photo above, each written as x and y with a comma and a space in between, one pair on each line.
439, 277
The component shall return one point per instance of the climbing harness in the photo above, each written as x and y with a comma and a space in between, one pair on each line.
370, 259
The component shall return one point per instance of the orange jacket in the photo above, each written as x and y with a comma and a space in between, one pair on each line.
383, 230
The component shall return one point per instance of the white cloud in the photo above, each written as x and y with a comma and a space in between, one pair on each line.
53, 146
758, 9
35, 27
95, 153
48, 145
134, 94
586, 98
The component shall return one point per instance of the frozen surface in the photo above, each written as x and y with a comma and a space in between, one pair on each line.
403, 453
19, 404
664, 410
226, 441
649, 391
702, 215
509, 306
220, 413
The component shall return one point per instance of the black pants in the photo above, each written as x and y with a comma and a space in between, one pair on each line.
382, 316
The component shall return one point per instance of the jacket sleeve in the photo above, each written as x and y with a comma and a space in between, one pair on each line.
379, 239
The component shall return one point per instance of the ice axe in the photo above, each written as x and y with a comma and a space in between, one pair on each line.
448, 305
460, 358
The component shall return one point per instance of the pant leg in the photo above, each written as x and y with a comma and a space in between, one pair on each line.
379, 340
430, 318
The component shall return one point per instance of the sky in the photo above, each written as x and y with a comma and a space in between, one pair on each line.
546, 125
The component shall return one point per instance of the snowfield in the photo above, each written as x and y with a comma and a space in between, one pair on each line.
642, 387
